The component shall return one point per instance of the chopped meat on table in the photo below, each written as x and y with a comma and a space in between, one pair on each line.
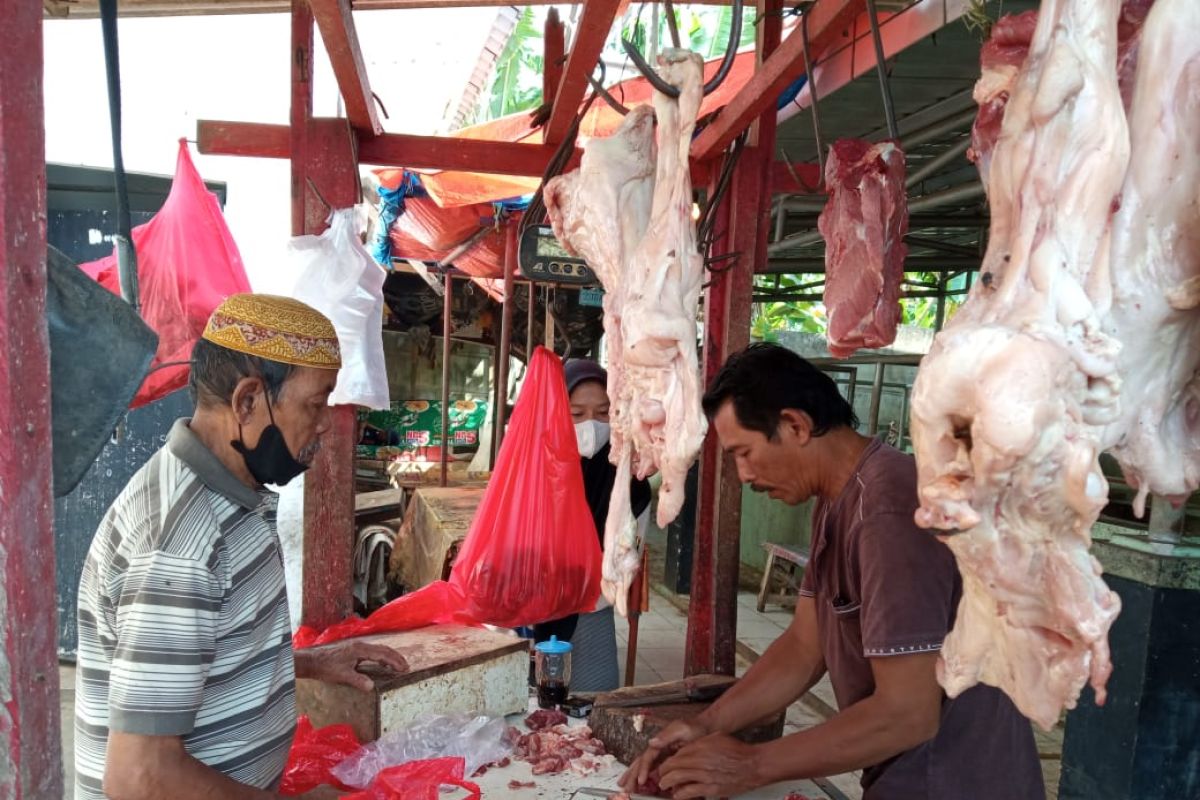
513, 785
545, 718
563, 748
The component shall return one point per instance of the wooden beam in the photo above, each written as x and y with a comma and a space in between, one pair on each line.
324, 170
389, 149
30, 743
334, 19
829, 23
590, 36
89, 9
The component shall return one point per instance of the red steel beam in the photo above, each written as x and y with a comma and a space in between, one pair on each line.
590, 36
716, 562
30, 743
334, 19
830, 21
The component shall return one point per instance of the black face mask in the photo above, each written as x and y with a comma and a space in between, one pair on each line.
270, 461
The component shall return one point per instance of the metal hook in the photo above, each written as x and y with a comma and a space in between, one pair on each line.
604, 94
812, 94
889, 109
672, 23
649, 73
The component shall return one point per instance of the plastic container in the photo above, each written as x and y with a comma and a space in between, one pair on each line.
552, 672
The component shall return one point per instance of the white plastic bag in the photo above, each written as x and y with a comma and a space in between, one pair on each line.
478, 740
337, 276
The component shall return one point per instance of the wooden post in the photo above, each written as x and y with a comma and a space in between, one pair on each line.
30, 744
745, 224
324, 171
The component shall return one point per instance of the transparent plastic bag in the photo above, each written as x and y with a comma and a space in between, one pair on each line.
477, 740
337, 276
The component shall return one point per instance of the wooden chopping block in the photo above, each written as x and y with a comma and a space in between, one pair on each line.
452, 669
612, 718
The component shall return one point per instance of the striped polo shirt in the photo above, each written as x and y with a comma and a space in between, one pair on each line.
183, 621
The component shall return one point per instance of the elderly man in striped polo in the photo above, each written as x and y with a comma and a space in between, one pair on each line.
186, 679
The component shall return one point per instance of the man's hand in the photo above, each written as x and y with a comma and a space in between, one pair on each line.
715, 766
339, 662
671, 738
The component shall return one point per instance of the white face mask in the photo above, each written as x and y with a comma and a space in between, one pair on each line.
591, 436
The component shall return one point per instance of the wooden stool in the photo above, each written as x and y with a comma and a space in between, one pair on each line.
790, 557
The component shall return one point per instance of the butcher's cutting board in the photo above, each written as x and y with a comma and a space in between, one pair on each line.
452, 669
615, 719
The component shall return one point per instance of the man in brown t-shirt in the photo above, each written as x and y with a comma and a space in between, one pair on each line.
878, 598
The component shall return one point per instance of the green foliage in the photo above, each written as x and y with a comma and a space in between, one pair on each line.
808, 316
517, 83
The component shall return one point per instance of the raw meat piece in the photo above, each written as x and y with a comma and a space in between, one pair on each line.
1009, 404
636, 232
1129, 37
1000, 59
1002, 56
562, 748
864, 223
513, 785
1156, 264
545, 718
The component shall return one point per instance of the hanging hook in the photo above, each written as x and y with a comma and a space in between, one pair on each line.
649, 73
604, 94
889, 109
812, 94
672, 23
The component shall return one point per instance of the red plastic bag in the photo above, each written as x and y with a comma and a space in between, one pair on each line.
417, 780
187, 264
316, 751
532, 553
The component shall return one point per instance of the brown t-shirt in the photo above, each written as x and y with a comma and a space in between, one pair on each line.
884, 587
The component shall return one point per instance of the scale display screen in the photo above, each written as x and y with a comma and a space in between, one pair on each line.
543, 259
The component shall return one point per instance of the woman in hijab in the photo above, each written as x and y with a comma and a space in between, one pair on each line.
593, 636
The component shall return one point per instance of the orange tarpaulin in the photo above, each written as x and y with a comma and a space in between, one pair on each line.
450, 189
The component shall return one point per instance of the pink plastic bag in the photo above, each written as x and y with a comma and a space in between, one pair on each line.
532, 553
315, 752
417, 780
187, 264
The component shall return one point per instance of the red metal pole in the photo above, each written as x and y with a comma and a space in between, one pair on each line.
323, 157
30, 744
744, 226
447, 329
506, 324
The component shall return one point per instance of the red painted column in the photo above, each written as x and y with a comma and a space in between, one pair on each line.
743, 226
30, 746
324, 170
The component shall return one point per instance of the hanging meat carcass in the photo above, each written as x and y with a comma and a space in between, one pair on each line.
864, 223
1156, 263
628, 214
1009, 405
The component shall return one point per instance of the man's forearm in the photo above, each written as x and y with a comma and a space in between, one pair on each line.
170, 772
865, 734
780, 676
